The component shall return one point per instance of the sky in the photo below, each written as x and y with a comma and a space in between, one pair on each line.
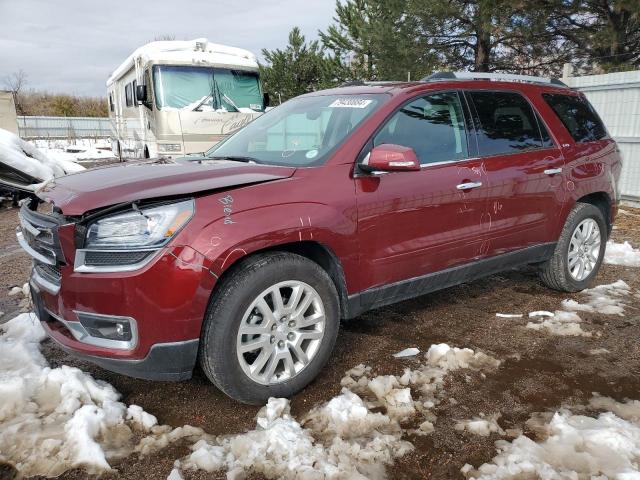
72, 46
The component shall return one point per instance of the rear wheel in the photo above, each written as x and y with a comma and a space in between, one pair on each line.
579, 251
270, 328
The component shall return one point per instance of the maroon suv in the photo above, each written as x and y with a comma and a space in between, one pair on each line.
336, 202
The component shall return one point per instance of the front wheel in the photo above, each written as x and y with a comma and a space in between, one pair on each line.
270, 327
579, 251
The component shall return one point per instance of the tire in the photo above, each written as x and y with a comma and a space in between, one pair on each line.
231, 309
556, 272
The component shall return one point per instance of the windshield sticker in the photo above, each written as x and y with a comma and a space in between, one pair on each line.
311, 154
350, 103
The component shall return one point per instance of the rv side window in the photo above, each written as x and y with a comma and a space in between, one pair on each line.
134, 100
128, 97
111, 102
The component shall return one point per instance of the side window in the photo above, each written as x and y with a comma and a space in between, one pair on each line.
432, 125
507, 123
578, 116
128, 97
111, 102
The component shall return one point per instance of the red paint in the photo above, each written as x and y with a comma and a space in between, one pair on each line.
382, 229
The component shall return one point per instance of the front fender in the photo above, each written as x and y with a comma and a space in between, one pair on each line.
239, 233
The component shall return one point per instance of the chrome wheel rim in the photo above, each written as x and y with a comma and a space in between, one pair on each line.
584, 249
281, 332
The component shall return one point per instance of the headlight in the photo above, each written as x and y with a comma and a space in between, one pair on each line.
169, 147
146, 228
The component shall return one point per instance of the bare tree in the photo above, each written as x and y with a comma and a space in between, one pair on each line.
164, 37
16, 83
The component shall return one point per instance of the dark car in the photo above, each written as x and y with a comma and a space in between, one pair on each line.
331, 204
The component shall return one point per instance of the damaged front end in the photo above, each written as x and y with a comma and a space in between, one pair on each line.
109, 287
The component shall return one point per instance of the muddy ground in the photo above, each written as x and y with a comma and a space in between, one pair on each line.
540, 372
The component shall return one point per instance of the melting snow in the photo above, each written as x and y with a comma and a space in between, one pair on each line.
78, 150
407, 352
622, 254
509, 315
54, 419
480, 425
605, 299
345, 437
573, 447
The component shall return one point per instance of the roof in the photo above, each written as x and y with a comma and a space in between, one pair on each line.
438, 81
196, 52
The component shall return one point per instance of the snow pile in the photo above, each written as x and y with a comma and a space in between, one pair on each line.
354, 435
573, 447
606, 299
54, 419
622, 254
77, 150
483, 426
23, 156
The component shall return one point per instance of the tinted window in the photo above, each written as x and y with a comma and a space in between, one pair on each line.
577, 114
433, 126
507, 123
134, 86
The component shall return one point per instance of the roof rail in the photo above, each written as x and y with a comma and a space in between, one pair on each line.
507, 77
374, 83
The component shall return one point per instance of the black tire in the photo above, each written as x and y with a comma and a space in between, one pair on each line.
232, 298
554, 272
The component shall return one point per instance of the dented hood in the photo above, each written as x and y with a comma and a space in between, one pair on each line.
78, 193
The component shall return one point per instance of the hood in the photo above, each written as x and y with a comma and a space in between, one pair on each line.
78, 193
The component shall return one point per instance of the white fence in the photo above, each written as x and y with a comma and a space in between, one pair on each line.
63, 127
616, 97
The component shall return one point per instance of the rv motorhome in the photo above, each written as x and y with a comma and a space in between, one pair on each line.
172, 98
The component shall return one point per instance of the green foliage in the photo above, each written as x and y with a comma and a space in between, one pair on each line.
300, 68
379, 40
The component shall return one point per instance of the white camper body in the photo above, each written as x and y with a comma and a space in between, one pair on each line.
195, 94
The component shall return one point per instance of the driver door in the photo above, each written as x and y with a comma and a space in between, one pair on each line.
412, 224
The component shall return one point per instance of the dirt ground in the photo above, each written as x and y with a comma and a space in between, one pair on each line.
540, 372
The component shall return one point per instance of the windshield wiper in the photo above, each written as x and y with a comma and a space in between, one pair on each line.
236, 158
230, 102
202, 102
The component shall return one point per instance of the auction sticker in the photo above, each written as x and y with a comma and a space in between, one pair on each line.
350, 103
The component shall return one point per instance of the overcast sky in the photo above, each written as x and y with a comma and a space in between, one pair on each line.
72, 46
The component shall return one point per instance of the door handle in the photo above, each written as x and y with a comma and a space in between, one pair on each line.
552, 171
469, 185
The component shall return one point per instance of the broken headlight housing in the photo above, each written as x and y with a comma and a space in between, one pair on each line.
127, 241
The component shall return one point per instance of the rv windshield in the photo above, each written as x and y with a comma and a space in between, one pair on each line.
302, 132
206, 89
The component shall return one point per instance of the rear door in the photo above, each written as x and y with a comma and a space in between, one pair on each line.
524, 167
414, 223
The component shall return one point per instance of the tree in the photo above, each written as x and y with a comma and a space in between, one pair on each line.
300, 68
490, 35
378, 40
16, 83
604, 33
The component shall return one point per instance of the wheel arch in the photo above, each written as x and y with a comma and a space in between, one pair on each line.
315, 251
602, 201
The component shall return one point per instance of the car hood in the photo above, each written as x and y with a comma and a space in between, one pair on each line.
81, 192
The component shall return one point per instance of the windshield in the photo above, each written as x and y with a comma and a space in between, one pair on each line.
300, 132
206, 89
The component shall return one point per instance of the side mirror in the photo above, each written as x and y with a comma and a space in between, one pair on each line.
391, 158
266, 99
141, 93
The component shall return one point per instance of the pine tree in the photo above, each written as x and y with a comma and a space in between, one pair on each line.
300, 68
378, 40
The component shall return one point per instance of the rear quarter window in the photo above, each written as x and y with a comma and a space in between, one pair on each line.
578, 116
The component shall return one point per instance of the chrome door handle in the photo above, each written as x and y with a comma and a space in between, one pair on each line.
469, 185
552, 171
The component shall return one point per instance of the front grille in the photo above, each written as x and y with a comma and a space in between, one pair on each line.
40, 233
108, 259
